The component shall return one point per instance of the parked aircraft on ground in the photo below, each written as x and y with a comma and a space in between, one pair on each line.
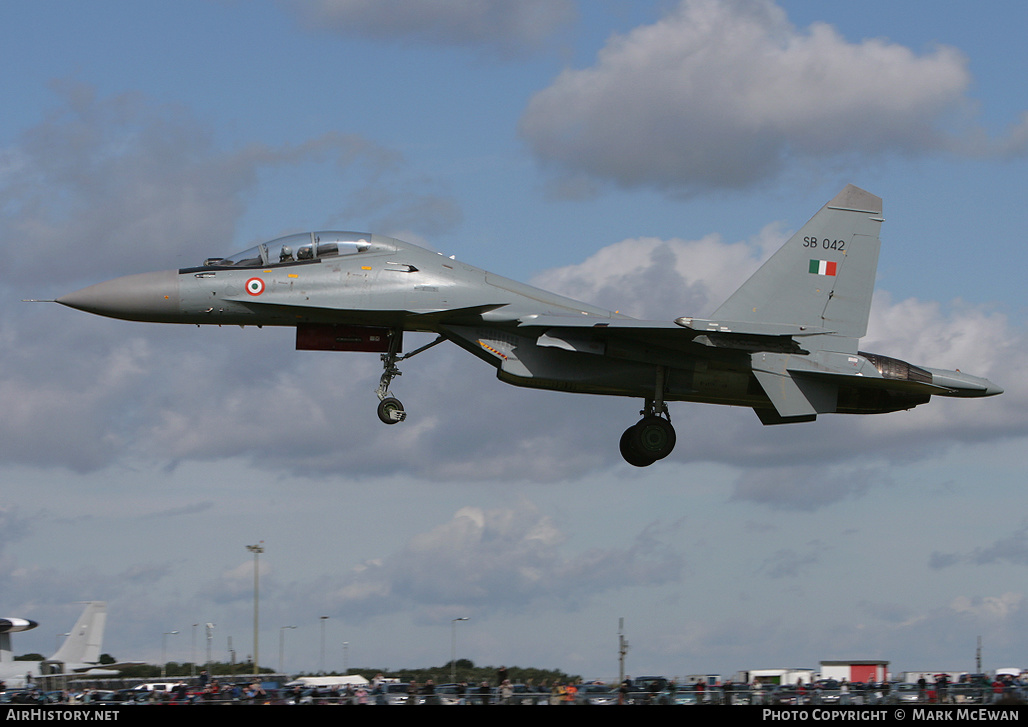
80, 652
785, 344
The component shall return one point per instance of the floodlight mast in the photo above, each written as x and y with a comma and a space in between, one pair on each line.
453, 647
256, 550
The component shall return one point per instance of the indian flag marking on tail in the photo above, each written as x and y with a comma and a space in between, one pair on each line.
822, 267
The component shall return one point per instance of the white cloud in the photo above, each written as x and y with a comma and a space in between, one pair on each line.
971, 338
722, 94
507, 558
662, 279
989, 607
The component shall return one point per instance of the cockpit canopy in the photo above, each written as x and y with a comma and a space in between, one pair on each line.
301, 247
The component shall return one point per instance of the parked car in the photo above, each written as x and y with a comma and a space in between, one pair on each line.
680, 697
646, 690
395, 693
903, 693
785, 694
596, 695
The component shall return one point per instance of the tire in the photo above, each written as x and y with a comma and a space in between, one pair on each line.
653, 437
629, 452
390, 411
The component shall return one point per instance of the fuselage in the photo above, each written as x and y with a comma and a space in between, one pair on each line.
317, 281
348, 278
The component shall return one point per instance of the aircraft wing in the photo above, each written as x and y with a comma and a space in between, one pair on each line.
694, 325
585, 334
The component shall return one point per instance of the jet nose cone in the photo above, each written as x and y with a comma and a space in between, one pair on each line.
144, 297
992, 389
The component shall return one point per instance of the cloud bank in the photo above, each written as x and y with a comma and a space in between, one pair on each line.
728, 95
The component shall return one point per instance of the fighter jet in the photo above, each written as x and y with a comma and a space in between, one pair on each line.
784, 344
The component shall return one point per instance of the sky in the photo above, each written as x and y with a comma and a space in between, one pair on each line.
644, 156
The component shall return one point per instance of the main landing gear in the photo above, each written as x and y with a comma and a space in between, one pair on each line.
650, 439
390, 410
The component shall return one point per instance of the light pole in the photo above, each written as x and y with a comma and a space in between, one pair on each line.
256, 550
164, 646
323, 620
192, 654
209, 629
453, 647
346, 657
282, 648
622, 650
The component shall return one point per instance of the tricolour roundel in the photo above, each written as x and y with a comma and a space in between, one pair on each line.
254, 286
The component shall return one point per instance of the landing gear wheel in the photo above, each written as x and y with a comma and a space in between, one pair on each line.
629, 452
650, 439
391, 411
653, 437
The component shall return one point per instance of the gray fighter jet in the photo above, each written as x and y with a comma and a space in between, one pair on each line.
785, 344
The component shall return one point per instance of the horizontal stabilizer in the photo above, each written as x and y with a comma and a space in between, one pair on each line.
769, 417
793, 395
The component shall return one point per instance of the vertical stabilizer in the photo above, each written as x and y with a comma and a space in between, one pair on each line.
82, 646
823, 276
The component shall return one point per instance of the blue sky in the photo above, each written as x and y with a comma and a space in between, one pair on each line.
644, 156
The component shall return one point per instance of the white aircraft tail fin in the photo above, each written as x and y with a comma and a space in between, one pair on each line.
82, 646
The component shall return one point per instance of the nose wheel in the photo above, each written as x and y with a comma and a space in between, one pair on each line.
390, 410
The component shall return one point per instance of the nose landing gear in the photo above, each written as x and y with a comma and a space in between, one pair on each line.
390, 410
